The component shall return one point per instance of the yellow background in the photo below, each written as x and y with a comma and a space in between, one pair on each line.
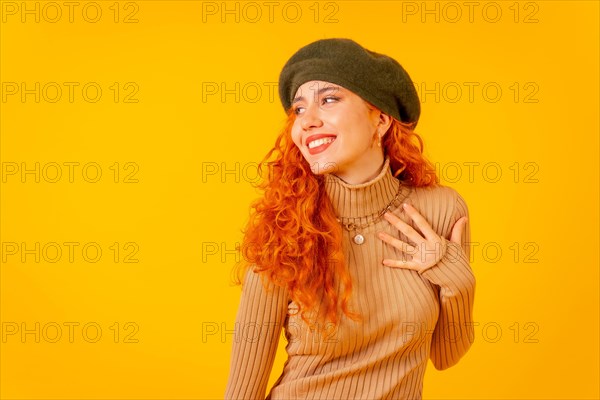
174, 212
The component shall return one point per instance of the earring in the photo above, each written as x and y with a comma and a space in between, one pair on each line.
379, 142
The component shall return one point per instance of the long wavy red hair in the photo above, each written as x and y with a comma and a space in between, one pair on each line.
292, 237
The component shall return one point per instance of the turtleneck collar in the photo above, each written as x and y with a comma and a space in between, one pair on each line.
364, 199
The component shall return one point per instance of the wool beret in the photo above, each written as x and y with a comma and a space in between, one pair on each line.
377, 78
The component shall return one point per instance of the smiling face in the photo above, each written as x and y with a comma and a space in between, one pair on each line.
337, 132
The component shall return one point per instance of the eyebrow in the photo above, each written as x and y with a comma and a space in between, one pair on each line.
319, 92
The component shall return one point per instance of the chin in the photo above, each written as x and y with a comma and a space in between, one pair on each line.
320, 167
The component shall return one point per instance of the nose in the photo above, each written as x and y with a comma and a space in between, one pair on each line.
311, 118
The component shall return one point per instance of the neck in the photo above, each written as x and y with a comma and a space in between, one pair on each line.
363, 199
363, 172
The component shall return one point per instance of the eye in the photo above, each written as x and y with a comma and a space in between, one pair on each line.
330, 98
325, 100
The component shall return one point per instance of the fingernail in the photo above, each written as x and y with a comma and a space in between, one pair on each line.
405, 205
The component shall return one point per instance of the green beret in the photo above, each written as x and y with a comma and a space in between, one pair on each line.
375, 77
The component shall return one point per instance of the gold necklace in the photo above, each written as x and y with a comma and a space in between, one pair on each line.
352, 227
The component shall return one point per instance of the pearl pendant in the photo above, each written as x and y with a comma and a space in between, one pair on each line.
359, 239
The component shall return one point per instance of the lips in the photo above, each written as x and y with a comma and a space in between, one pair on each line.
318, 136
319, 143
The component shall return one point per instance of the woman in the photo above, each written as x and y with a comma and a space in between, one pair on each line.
366, 289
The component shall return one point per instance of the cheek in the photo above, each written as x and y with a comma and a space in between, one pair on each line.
296, 135
349, 121
364, 131
357, 131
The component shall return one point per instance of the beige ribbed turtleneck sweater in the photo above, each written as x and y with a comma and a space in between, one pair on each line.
409, 317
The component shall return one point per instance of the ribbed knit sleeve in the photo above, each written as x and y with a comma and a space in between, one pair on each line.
260, 317
454, 331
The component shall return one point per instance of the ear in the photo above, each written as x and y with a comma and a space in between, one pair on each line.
383, 123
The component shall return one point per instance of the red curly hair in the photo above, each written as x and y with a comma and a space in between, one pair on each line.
293, 238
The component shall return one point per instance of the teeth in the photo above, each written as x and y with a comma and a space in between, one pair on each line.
318, 142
